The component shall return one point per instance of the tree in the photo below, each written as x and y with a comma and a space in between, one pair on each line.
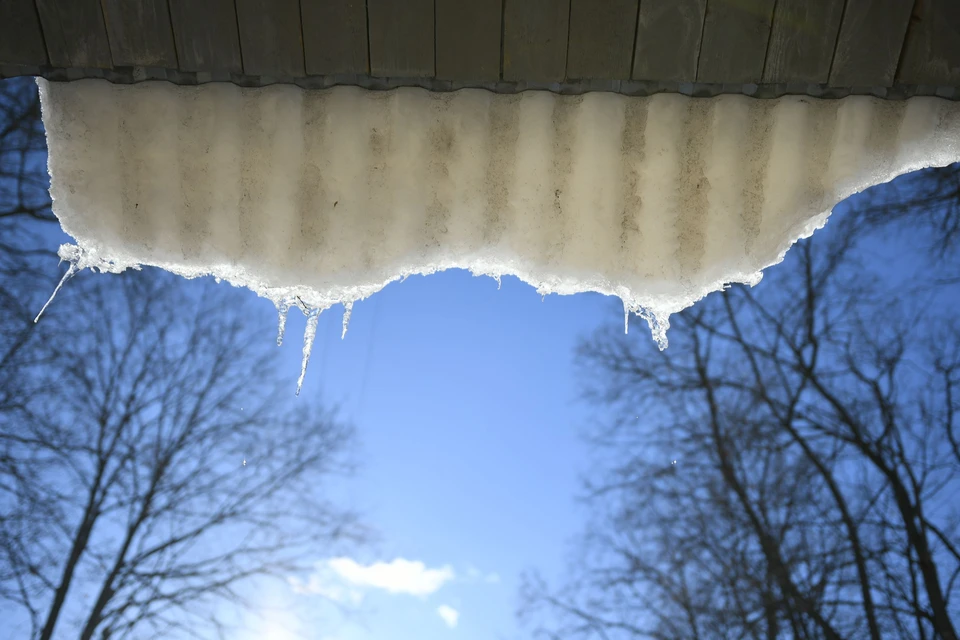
788, 467
152, 462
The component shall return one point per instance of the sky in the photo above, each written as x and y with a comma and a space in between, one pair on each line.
466, 404
467, 410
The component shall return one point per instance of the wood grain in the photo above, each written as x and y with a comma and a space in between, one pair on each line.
802, 41
535, 40
75, 33
735, 35
869, 44
401, 38
270, 37
140, 33
668, 40
206, 35
468, 40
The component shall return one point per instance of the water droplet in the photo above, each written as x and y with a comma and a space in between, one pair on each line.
308, 335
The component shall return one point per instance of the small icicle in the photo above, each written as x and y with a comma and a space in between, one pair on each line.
282, 308
308, 335
71, 271
497, 278
626, 318
347, 310
659, 323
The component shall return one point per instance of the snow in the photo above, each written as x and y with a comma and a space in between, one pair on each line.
323, 197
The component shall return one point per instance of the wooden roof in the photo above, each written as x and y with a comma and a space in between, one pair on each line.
890, 48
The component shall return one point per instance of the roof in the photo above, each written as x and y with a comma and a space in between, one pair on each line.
766, 48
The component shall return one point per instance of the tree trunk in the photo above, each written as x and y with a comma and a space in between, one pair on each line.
80, 541
928, 567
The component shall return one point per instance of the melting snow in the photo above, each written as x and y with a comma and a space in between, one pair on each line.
322, 197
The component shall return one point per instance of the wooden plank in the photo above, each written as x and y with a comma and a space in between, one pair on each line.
668, 40
140, 33
802, 41
206, 35
21, 41
601, 38
931, 53
75, 33
535, 40
735, 35
270, 38
468, 40
334, 36
868, 47
401, 38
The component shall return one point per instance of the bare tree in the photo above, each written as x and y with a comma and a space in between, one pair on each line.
23, 174
157, 461
152, 461
788, 468
24, 214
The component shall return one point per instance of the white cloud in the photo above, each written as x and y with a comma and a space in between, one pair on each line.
492, 578
399, 576
450, 615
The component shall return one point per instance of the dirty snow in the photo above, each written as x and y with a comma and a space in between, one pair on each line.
313, 198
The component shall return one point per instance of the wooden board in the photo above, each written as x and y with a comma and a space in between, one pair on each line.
270, 37
668, 40
75, 33
535, 40
206, 35
468, 40
802, 41
21, 41
931, 53
601, 38
401, 38
140, 33
334, 36
735, 36
869, 44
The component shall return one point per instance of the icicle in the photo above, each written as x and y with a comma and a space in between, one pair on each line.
308, 335
497, 278
659, 323
282, 308
626, 318
347, 310
72, 271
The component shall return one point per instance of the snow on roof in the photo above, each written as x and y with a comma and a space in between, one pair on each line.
322, 197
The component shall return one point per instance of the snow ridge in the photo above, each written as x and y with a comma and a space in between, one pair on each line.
325, 196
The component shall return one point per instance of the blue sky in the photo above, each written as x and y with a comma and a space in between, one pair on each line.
466, 405
468, 421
